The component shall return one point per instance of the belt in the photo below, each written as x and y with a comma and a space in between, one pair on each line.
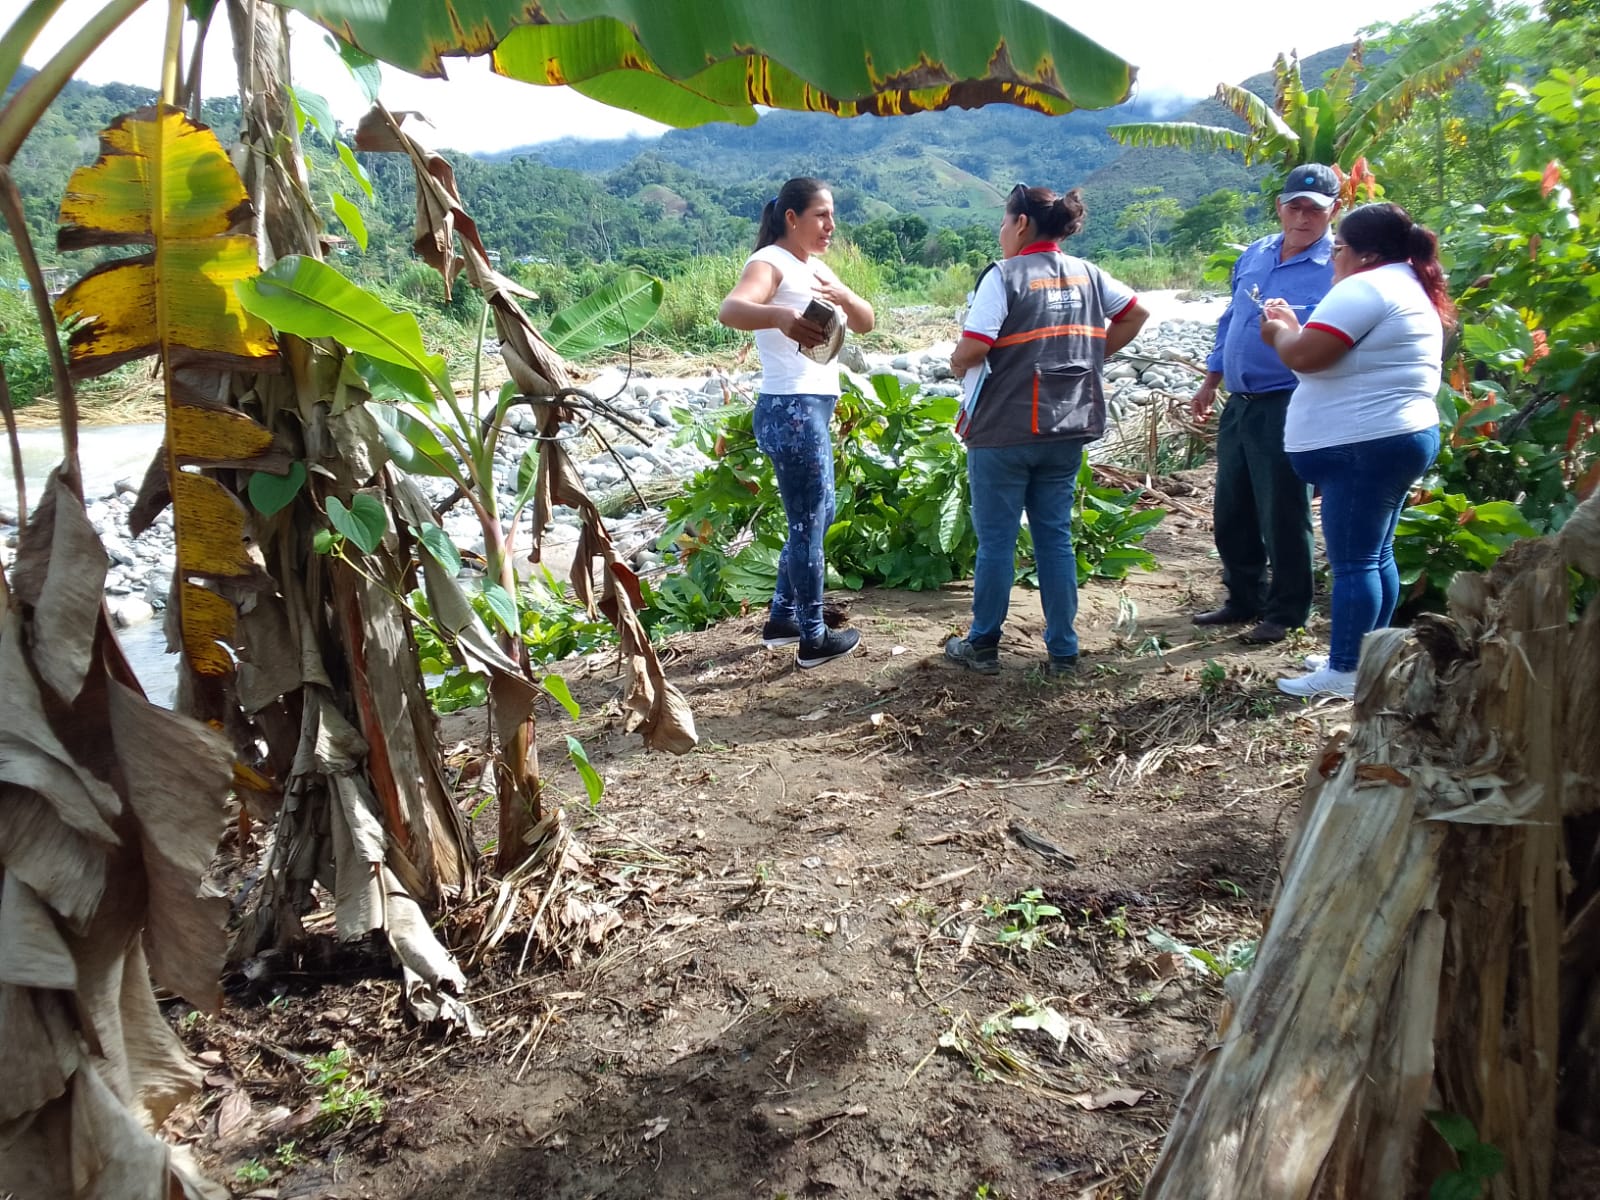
1279, 394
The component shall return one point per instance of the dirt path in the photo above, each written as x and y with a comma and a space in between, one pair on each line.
815, 991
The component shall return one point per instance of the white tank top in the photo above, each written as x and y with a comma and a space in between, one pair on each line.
784, 370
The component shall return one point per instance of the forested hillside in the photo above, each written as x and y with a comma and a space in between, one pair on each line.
695, 192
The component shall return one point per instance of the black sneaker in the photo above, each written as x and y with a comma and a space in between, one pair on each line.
985, 660
777, 633
1063, 664
835, 643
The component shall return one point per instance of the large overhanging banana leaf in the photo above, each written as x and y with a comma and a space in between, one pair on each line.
686, 62
164, 181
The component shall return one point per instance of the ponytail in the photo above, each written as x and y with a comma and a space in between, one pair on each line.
1424, 247
1387, 232
794, 196
770, 227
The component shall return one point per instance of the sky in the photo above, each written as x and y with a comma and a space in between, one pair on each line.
1183, 48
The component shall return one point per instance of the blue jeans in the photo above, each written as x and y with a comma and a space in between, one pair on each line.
1364, 488
793, 432
1039, 478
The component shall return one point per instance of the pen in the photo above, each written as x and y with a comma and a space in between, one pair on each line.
1255, 294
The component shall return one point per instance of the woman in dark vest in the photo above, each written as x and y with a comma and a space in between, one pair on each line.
1032, 350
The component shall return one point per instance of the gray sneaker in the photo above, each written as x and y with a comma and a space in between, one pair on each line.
1063, 664
985, 660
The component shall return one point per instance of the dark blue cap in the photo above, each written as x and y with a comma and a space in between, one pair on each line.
1312, 181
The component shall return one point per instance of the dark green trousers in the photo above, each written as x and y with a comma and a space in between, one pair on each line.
1262, 514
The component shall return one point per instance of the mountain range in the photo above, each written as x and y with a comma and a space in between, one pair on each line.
696, 191
951, 168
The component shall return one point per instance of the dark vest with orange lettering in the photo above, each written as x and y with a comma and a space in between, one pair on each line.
1044, 367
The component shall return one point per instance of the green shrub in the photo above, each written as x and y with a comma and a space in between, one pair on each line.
902, 514
1448, 534
22, 348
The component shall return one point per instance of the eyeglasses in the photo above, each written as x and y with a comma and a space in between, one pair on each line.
1019, 195
1338, 246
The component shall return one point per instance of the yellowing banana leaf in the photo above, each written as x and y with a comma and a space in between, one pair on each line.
689, 61
163, 181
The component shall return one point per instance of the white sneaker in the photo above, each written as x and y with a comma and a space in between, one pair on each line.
1315, 662
1321, 682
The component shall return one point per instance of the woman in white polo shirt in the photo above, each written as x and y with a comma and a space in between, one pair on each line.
798, 395
1362, 425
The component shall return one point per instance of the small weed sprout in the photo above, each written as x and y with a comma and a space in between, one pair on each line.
1022, 933
1155, 645
1127, 622
1239, 956
287, 1155
1212, 676
341, 1102
1117, 922
253, 1173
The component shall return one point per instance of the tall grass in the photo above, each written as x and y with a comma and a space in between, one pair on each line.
1143, 272
689, 303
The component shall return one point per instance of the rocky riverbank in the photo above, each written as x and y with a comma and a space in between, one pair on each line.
141, 568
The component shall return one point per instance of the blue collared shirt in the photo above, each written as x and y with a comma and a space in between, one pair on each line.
1247, 363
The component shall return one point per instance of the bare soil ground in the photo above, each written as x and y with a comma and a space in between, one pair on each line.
831, 979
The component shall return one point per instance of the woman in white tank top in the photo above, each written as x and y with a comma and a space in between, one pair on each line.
798, 395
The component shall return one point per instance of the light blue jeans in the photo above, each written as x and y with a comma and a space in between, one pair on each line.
1038, 478
1364, 488
794, 432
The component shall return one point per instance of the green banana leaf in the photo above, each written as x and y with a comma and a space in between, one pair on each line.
308, 298
690, 61
1186, 135
1430, 62
608, 317
1264, 122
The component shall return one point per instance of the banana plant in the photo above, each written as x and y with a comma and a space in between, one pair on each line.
423, 423
1341, 120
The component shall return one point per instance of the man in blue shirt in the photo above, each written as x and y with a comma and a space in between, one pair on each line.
1261, 516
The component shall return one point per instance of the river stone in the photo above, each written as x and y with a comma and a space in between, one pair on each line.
130, 612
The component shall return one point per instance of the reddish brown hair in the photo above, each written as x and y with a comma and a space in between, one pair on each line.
1388, 232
